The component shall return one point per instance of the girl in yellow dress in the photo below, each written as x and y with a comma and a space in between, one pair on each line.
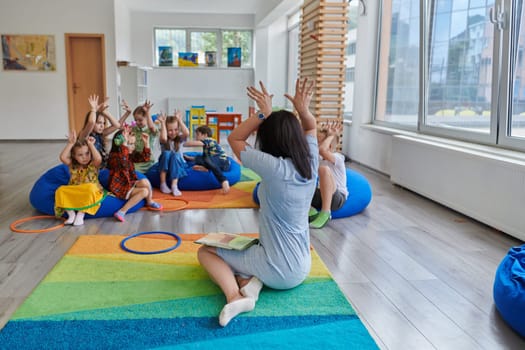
84, 193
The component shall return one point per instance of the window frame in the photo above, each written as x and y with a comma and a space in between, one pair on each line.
502, 81
219, 46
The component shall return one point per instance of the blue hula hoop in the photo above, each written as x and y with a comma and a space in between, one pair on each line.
129, 250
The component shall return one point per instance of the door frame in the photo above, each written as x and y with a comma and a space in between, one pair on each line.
69, 72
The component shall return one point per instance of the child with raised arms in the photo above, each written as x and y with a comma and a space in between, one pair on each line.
84, 193
96, 124
172, 165
331, 193
123, 181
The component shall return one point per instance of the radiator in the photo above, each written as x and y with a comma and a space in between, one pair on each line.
487, 187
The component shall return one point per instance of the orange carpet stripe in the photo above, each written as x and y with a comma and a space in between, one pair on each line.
110, 244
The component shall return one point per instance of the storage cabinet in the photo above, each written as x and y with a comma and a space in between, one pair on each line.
133, 87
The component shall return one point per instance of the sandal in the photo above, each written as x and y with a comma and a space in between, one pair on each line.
154, 206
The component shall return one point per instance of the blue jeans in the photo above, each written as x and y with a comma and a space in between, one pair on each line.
215, 164
173, 164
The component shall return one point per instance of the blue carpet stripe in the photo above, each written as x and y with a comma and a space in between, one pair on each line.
151, 333
338, 335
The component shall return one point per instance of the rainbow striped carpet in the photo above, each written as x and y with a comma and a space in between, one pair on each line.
100, 297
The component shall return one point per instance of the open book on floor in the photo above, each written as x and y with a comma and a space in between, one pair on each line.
227, 240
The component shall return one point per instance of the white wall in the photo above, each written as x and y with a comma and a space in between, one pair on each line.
34, 104
189, 85
122, 31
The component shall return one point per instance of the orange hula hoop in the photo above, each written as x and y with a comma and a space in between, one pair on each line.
14, 225
166, 207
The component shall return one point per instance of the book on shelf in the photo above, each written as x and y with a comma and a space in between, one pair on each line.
227, 240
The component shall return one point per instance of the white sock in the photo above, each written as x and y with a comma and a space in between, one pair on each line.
79, 219
229, 311
175, 190
252, 288
164, 188
70, 217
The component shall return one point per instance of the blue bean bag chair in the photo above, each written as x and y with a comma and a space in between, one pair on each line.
197, 180
359, 195
42, 195
509, 289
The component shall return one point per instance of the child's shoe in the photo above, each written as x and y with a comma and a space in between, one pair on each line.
119, 216
70, 217
79, 219
164, 188
176, 192
154, 206
312, 214
322, 218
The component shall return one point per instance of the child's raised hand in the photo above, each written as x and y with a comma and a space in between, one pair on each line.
335, 128
161, 117
178, 115
147, 105
126, 107
104, 105
72, 137
91, 140
93, 102
262, 98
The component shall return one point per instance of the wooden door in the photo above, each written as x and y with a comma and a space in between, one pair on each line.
86, 74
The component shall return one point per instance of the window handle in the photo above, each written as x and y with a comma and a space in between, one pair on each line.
497, 17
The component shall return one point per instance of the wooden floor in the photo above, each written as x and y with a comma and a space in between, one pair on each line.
419, 275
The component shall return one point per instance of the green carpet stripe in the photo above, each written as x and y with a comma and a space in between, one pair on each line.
73, 269
249, 175
55, 298
306, 299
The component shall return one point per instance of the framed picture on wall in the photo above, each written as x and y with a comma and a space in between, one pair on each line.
188, 59
234, 57
211, 58
165, 56
28, 52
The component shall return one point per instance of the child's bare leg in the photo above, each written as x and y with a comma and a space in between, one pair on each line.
136, 196
144, 184
225, 187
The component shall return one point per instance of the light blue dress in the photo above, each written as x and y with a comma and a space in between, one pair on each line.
282, 260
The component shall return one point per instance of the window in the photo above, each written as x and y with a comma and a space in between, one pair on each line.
202, 40
238, 38
294, 42
351, 41
472, 74
176, 38
398, 76
460, 87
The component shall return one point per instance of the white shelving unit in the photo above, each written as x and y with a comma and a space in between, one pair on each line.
133, 85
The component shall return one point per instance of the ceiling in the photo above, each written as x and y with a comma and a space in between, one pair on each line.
202, 6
